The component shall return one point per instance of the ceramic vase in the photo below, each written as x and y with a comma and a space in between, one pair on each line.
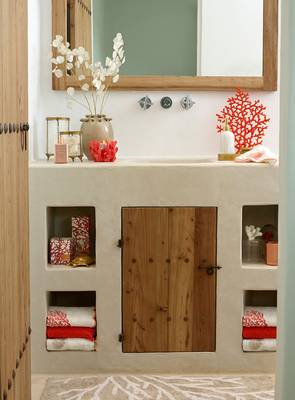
95, 127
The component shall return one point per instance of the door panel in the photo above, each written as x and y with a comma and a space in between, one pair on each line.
181, 278
168, 302
205, 285
14, 267
145, 277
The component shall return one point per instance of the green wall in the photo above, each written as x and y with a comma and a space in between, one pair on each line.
286, 355
160, 35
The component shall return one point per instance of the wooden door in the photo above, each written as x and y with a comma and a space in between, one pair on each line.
14, 235
168, 301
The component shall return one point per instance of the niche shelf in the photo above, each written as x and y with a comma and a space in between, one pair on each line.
72, 299
265, 217
59, 224
259, 298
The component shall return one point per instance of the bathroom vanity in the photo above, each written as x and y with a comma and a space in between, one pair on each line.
163, 228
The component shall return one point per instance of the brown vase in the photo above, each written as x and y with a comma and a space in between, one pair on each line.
95, 127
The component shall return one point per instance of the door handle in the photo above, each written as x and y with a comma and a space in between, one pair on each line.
210, 269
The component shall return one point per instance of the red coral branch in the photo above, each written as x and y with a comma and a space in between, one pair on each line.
247, 120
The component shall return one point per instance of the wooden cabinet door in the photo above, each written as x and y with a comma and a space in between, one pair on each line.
168, 301
14, 233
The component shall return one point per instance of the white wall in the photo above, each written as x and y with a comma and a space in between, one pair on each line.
155, 132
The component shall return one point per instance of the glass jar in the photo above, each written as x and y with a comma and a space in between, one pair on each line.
253, 251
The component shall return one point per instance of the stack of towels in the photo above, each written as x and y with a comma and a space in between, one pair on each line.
71, 328
260, 329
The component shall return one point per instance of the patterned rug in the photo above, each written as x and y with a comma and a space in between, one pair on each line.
150, 387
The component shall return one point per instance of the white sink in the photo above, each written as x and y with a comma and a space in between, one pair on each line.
168, 160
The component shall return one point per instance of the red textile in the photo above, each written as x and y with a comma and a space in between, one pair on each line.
259, 333
71, 333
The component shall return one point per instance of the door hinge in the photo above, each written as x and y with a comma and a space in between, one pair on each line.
120, 243
121, 338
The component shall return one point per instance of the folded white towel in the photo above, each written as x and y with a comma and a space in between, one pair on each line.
259, 345
70, 345
260, 316
259, 154
71, 316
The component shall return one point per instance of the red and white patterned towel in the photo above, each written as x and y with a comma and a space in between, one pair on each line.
71, 316
260, 317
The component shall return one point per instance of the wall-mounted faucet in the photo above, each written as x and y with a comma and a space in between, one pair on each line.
187, 103
145, 103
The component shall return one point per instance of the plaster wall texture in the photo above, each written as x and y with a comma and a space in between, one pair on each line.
108, 188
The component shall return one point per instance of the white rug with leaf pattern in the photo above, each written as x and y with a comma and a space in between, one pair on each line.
151, 387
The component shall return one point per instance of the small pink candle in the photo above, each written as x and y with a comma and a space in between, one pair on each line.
272, 251
61, 155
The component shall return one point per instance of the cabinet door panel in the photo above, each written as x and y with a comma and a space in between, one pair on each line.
181, 278
168, 302
204, 284
145, 277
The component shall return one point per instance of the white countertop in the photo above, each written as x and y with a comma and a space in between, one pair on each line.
153, 162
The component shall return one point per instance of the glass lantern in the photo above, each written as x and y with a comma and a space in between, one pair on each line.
74, 141
55, 125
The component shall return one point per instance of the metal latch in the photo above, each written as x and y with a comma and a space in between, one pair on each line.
210, 269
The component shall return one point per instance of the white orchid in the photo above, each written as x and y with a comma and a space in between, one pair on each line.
76, 63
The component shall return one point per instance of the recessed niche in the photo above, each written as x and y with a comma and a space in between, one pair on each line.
71, 299
72, 327
60, 226
260, 298
264, 217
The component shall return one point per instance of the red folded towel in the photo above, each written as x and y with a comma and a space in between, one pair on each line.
259, 333
71, 333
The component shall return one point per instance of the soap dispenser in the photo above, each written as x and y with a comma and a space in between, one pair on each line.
227, 150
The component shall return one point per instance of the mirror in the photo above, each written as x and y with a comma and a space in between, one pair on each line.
179, 44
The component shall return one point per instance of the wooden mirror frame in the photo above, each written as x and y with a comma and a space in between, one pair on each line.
267, 82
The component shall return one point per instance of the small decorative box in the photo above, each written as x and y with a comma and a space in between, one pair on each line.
272, 252
81, 234
61, 250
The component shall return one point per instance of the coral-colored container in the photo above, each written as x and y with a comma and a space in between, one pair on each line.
272, 253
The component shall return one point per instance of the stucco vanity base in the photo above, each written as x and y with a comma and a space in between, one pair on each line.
108, 188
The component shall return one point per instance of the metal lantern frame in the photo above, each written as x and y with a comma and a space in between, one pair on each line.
73, 133
49, 120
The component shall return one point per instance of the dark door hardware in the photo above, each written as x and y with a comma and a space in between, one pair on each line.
210, 269
120, 243
121, 338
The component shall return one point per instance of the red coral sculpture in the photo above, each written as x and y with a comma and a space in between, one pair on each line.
247, 120
102, 151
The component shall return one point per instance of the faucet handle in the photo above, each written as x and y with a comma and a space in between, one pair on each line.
145, 103
187, 103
